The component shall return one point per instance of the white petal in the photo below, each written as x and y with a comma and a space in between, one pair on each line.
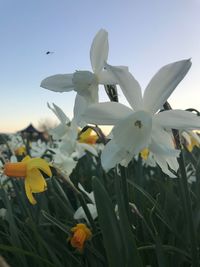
13, 158
134, 132
58, 83
94, 94
99, 51
59, 131
108, 113
130, 87
88, 148
111, 155
80, 213
80, 107
163, 84
186, 136
161, 161
178, 119
59, 113
163, 150
67, 146
64, 163
93, 210
173, 163
90, 195
106, 77
162, 142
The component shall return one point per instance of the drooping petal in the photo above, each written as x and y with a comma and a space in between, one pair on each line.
79, 108
29, 193
36, 181
38, 163
111, 155
178, 119
161, 161
163, 150
162, 142
163, 84
58, 83
99, 51
130, 87
59, 113
133, 133
107, 113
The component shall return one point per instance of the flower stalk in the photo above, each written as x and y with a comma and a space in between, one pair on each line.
186, 198
67, 181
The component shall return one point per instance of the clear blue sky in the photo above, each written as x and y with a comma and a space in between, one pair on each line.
143, 34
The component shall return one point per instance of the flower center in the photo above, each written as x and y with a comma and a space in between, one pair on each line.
82, 81
138, 124
17, 169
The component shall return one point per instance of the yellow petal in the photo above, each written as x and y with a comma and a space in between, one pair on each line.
26, 159
39, 163
29, 193
36, 181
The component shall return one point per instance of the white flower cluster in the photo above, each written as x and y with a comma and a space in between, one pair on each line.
140, 126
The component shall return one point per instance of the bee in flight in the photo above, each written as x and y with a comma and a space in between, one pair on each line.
49, 52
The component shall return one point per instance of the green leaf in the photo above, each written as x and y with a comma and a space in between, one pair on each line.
132, 255
109, 225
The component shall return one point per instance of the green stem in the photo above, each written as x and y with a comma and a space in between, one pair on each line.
186, 198
67, 181
188, 212
125, 189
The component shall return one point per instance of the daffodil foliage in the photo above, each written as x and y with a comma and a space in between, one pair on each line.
109, 199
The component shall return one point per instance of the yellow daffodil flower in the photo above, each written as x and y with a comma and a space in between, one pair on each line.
29, 169
20, 151
87, 137
81, 233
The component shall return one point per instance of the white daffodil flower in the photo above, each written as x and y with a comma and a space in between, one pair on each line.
38, 148
68, 150
15, 141
141, 126
85, 83
80, 213
64, 163
67, 132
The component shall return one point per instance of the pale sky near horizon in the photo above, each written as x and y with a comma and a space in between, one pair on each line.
143, 34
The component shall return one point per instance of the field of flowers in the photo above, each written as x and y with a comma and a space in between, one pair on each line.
83, 198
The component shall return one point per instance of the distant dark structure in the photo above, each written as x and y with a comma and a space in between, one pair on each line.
31, 133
